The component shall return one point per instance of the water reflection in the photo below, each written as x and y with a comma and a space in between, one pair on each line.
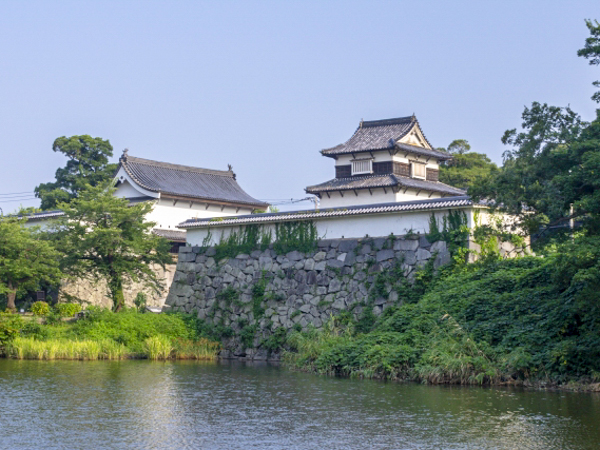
141, 404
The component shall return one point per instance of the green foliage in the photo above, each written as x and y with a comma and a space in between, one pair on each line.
158, 347
258, 296
68, 309
455, 230
498, 321
40, 308
550, 171
87, 165
10, 326
276, 341
103, 334
26, 260
300, 236
140, 301
103, 237
245, 240
466, 168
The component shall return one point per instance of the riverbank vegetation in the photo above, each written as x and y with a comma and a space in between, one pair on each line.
514, 321
102, 334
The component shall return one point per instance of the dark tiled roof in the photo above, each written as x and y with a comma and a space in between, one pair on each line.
194, 182
427, 152
414, 205
378, 181
43, 215
382, 135
171, 235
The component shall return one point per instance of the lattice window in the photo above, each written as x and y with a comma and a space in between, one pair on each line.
418, 170
362, 166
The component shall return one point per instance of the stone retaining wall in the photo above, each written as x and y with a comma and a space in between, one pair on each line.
252, 296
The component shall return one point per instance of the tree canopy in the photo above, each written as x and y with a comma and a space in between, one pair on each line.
88, 164
550, 171
104, 237
25, 260
466, 167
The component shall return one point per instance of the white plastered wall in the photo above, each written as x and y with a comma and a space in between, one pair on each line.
377, 195
374, 225
168, 213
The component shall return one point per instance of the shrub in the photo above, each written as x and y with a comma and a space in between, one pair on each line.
68, 309
40, 308
10, 326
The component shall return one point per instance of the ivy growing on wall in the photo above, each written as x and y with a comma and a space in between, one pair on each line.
454, 231
289, 236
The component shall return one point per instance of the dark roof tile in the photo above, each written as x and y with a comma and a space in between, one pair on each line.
186, 181
379, 181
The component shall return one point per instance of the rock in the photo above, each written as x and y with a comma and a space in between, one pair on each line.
424, 242
265, 262
335, 263
305, 309
422, 254
437, 247
311, 278
442, 258
350, 259
211, 251
406, 245
384, 255
309, 264
407, 257
378, 243
320, 256
335, 285
341, 257
295, 256
320, 266
365, 249
339, 304
209, 263
185, 249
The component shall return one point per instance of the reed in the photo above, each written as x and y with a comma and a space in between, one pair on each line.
202, 349
52, 349
158, 347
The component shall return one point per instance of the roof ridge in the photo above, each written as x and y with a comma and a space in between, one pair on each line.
180, 167
384, 122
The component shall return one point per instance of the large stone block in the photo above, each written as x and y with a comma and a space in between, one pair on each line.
422, 254
347, 245
406, 245
384, 255
295, 256
438, 246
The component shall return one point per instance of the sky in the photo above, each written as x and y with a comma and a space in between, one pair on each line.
265, 85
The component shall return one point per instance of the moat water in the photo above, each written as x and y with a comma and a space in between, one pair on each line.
232, 405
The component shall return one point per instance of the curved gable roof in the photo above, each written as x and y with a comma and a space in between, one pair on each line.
383, 135
186, 181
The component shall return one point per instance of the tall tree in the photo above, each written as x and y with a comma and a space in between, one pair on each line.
466, 167
87, 164
550, 171
25, 260
103, 237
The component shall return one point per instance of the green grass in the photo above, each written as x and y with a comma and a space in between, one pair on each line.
107, 335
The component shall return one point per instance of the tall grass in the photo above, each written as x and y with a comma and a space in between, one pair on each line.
158, 347
51, 349
202, 349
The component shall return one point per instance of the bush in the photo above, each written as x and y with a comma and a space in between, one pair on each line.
10, 326
68, 309
40, 308
482, 323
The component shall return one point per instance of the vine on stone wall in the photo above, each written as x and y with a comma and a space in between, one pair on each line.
455, 230
301, 236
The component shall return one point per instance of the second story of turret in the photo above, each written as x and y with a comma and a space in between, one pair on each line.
385, 155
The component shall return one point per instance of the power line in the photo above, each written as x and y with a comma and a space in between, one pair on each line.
18, 193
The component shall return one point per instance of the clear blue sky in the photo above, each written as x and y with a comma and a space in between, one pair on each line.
265, 85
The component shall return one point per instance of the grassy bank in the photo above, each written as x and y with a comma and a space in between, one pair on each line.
518, 321
106, 335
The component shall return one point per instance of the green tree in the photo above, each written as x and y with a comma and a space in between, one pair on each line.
550, 173
466, 167
26, 259
103, 237
591, 50
87, 164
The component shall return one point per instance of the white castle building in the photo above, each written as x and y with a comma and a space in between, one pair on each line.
385, 161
